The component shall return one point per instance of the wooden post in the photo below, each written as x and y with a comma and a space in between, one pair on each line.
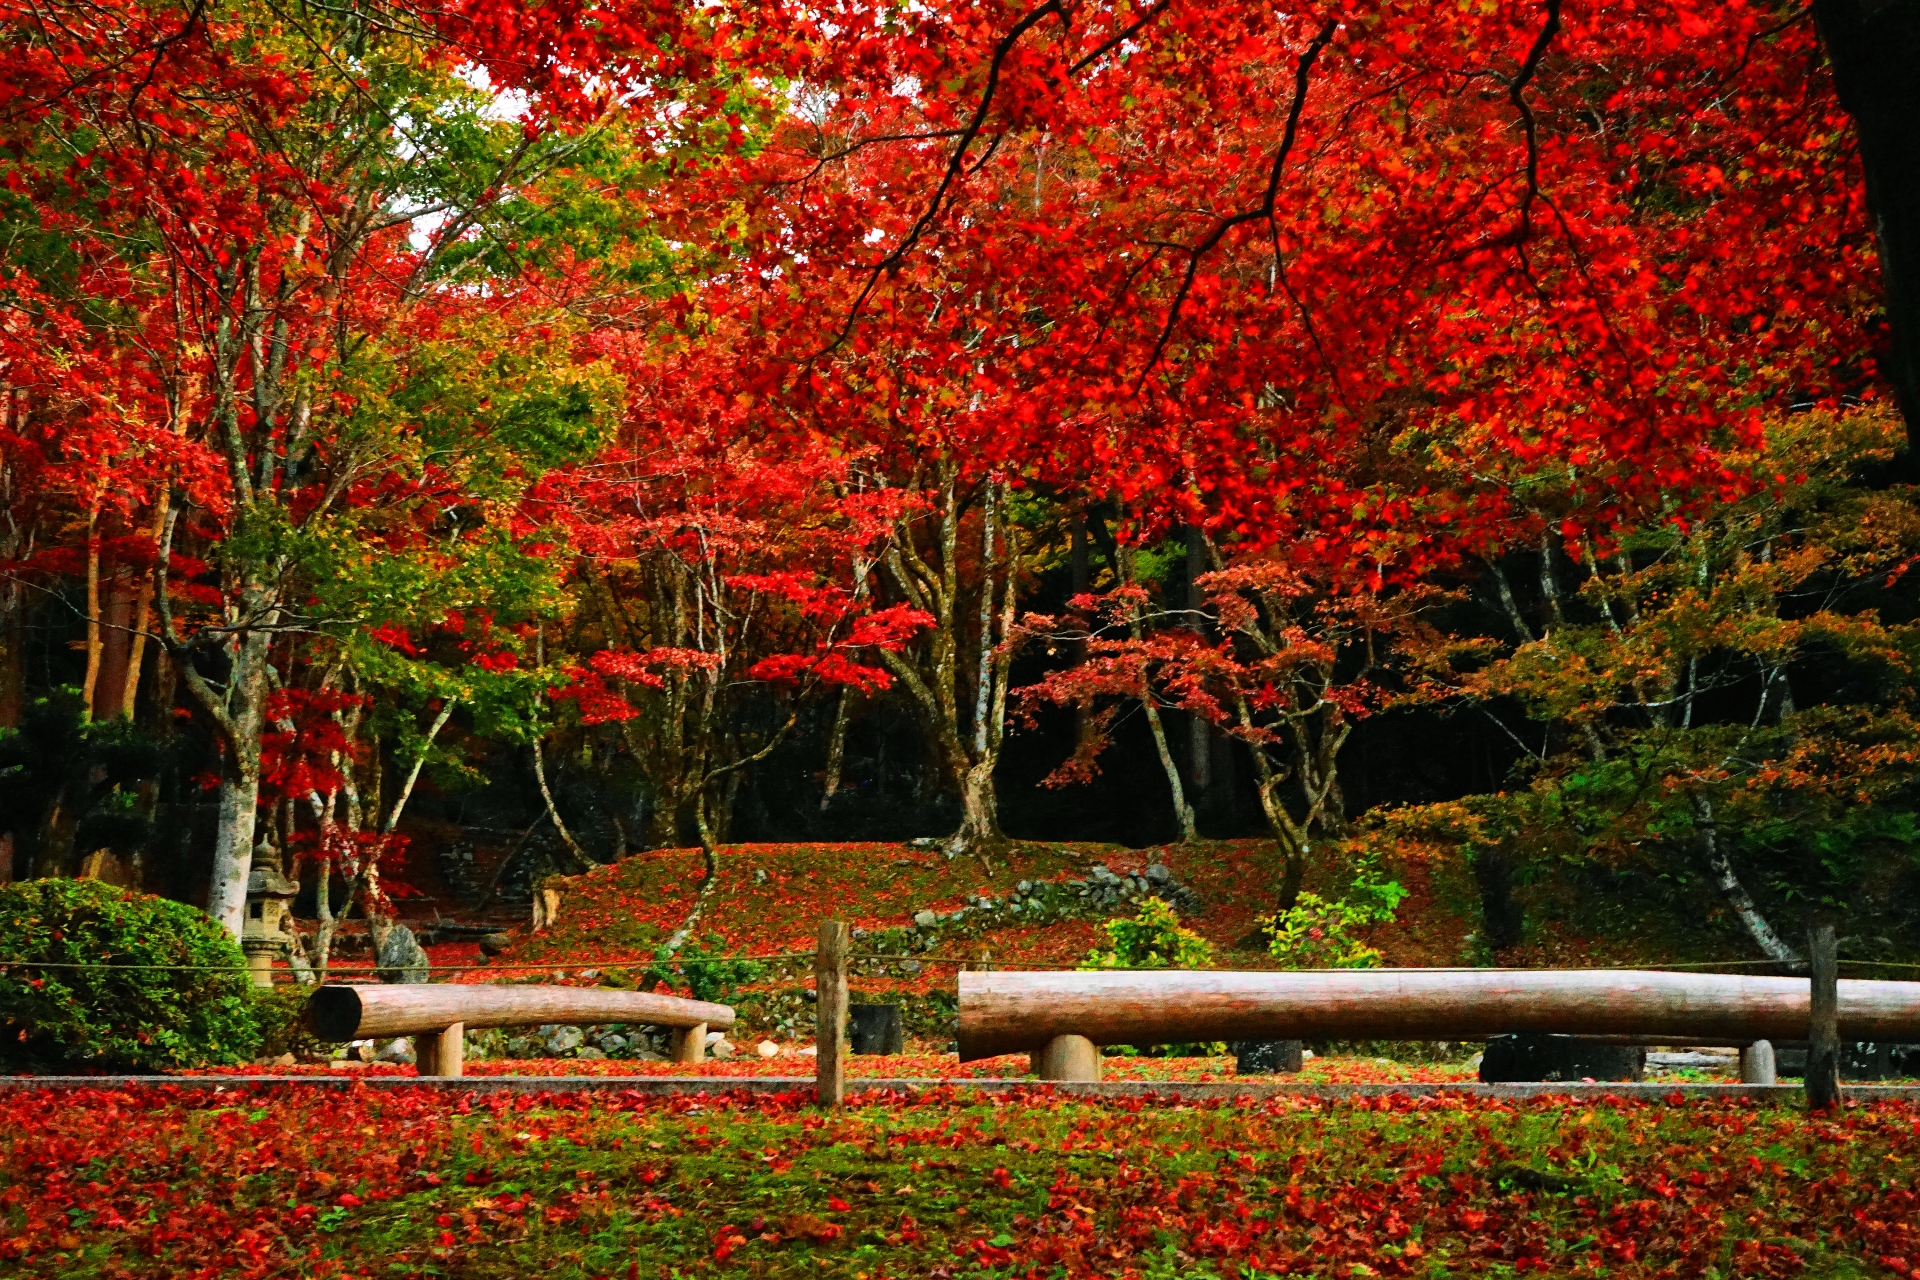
1757, 1064
830, 1013
690, 1044
441, 1053
1823, 1031
1068, 1058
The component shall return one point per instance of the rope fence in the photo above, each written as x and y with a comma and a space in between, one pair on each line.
1061, 1050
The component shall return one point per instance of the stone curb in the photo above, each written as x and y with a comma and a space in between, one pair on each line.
1169, 1091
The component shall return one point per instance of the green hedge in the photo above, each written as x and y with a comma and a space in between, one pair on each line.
117, 1019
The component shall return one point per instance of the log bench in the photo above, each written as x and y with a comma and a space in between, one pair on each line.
1063, 1018
437, 1015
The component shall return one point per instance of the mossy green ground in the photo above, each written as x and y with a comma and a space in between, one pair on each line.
417, 1183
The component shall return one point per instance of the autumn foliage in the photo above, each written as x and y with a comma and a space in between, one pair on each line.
642, 402
943, 1183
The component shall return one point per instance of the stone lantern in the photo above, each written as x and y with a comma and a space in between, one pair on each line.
270, 895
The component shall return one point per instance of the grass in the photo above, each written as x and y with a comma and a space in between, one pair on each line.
920, 1064
412, 1184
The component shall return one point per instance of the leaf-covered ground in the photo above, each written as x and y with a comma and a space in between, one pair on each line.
913, 1066
417, 1183
770, 899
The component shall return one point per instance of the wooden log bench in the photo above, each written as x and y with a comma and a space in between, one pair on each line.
437, 1015
1063, 1018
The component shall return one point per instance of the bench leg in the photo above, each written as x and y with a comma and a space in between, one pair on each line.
1068, 1058
690, 1044
1757, 1064
441, 1053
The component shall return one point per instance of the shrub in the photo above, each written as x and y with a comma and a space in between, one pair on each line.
279, 1015
1315, 933
701, 970
1154, 939
1312, 934
139, 1019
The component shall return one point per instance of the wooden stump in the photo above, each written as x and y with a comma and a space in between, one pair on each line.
441, 1053
690, 1044
1068, 1058
830, 1014
1757, 1064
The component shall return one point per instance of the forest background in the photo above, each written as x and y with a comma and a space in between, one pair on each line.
1473, 434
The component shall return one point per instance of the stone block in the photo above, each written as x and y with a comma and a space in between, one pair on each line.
876, 1028
1530, 1057
1266, 1057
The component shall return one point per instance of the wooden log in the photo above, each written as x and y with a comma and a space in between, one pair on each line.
1068, 1058
1757, 1063
690, 1044
1007, 1012
1823, 1020
830, 1013
441, 1053
340, 1012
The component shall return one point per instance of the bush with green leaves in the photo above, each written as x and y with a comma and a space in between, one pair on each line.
192, 1008
1317, 933
1314, 934
701, 970
1153, 939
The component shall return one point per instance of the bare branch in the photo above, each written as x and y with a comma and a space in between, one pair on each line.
956, 164
1264, 210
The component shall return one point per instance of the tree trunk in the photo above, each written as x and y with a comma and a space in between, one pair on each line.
92, 679
1737, 896
1501, 921
244, 713
968, 745
13, 653
233, 848
1200, 734
836, 749
420, 761
1874, 46
663, 821
116, 648
1290, 839
1080, 582
581, 860
53, 843
979, 810
1182, 810
709, 880
142, 622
